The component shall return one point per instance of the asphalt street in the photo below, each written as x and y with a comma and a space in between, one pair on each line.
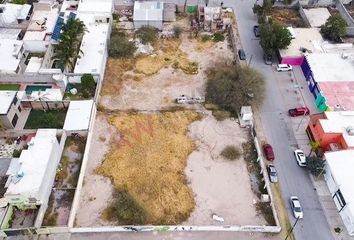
278, 130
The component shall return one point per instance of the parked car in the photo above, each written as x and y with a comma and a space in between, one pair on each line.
299, 111
300, 157
241, 54
296, 207
268, 59
268, 152
284, 67
272, 172
256, 31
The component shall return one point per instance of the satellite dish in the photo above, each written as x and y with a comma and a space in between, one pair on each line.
3, 202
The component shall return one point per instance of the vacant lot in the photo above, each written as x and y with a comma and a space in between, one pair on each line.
290, 17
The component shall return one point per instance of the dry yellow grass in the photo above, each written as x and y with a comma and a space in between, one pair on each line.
113, 78
203, 45
149, 161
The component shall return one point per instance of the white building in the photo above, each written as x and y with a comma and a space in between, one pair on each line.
11, 53
39, 31
97, 17
148, 13
14, 14
78, 115
10, 110
32, 176
339, 177
10, 33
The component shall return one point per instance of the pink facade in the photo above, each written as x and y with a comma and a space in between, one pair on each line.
295, 61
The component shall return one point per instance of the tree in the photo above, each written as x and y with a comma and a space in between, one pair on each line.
274, 36
334, 28
88, 85
19, 2
147, 34
315, 165
68, 48
231, 87
314, 146
262, 11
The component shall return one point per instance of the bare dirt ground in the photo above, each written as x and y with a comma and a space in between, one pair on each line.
160, 90
221, 186
97, 190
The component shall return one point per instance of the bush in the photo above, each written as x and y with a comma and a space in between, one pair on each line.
147, 34
88, 85
17, 153
218, 37
177, 31
315, 165
231, 152
221, 115
205, 38
231, 87
125, 210
120, 47
334, 28
20, 2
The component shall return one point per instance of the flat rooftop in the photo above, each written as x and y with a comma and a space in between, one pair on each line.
317, 16
9, 33
93, 45
92, 6
148, 11
34, 162
9, 49
41, 25
305, 38
341, 164
78, 115
341, 67
13, 12
338, 122
6, 99
338, 93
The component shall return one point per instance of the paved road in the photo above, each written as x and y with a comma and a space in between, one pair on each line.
278, 130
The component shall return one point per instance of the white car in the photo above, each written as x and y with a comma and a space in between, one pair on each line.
284, 67
296, 207
300, 157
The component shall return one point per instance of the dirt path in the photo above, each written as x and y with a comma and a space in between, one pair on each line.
97, 190
220, 186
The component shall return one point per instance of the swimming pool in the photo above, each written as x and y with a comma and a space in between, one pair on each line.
30, 88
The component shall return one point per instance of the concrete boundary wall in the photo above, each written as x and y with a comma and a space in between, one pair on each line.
344, 13
304, 17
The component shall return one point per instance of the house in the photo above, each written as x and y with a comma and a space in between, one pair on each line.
78, 115
339, 178
330, 76
97, 17
305, 41
10, 33
148, 13
10, 109
14, 15
40, 28
332, 130
213, 18
32, 175
12, 51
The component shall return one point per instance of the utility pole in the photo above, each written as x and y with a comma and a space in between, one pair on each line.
249, 63
292, 228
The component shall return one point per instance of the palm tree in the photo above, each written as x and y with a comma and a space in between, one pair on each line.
67, 50
314, 146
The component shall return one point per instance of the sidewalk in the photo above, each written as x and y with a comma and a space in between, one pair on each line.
299, 124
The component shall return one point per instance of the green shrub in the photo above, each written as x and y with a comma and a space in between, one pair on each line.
231, 152
221, 115
218, 37
88, 85
125, 210
17, 153
147, 34
119, 46
177, 31
20, 2
206, 38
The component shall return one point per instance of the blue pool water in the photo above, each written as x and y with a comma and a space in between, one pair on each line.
30, 88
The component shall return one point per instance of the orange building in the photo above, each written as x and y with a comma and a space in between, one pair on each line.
332, 130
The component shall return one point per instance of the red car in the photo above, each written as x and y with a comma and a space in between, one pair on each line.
268, 152
300, 111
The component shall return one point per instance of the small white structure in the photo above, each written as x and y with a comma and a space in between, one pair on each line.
11, 53
317, 16
148, 13
78, 115
30, 184
97, 17
13, 14
34, 65
10, 33
9, 109
246, 116
339, 177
